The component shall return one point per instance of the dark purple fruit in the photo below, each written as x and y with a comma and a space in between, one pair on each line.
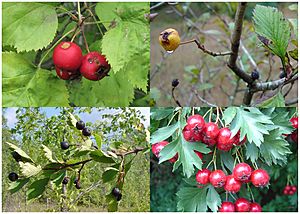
255, 75
13, 176
77, 185
66, 180
116, 193
64, 145
80, 125
86, 131
175, 83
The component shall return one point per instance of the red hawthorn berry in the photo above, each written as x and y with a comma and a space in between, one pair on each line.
63, 74
288, 187
227, 206
67, 56
157, 147
242, 172
260, 178
94, 66
202, 176
294, 188
291, 192
224, 142
294, 136
255, 207
285, 192
196, 122
210, 142
174, 159
236, 139
242, 205
232, 185
211, 130
294, 121
197, 136
217, 178
187, 133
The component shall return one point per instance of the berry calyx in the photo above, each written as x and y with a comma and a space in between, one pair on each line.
116, 193
224, 142
242, 172
260, 178
255, 74
242, 205
217, 178
64, 145
196, 122
94, 66
169, 39
255, 207
13, 176
175, 83
202, 176
63, 74
67, 56
16, 156
86, 131
294, 122
66, 180
227, 206
232, 185
80, 125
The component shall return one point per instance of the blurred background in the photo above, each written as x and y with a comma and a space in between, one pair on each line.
210, 76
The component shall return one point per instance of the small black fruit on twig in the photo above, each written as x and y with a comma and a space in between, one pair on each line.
255, 74
175, 83
117, 193
16, 156
64, 145
77, 185
86, 131
13, 176
66, 180
75, 181
80, 125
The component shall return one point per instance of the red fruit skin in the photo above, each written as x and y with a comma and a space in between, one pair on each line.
232, 185
242, 172
294, 136
236, 139
174, 159
67, 56
227, 206
224, 142
285, 192
202, 176
196, 122
187, 133
242, 205
260, 178
211, 130
255, 207
94, 66
63, 74
294, 121
287, 187
200, 155
157, 147
291, 192
294, 188
217, 178
209, 142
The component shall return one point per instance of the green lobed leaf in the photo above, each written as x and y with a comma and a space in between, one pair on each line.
17, 185
276, 101
191, 199
227, 160
252, 152
28, 26
72, 119
26, 86
271, 24
163, 133
37, 188
213, 199
281, 122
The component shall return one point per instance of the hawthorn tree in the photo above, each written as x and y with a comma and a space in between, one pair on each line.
251, 61
63, 159
114, 38
224, 157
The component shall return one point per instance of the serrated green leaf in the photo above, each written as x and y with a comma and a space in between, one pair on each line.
48, 154
26, 86
29, 170
72, 119
281, 122
37, 188
99, 156
28, 26
163, 133
229, 114
109, 174
213, 199
227, 160
271, 24
252, 152
25, 157
17, 185
276, 101
192, 199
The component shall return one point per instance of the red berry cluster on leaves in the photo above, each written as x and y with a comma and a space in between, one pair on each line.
294, 135
69, 62
240, 205
289, 190
209, 133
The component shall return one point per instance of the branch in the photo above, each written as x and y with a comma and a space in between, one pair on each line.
174, 98
273, 84
291, 102
235, 43
203, 100
68, 165
214, 54
135, 151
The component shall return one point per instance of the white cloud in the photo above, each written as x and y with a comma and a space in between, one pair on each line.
11, 116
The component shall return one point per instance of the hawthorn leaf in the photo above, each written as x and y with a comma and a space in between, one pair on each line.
29, 170
98, 139
275, 101
160, 113
252, 152
26, 86
213, 199
28, 26
37, 188
163, 133
17, 185
227, 160
48, 154
281, 122
229, 115
192, 199
25, 157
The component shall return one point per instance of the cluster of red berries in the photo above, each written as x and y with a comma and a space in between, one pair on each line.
240, 205
289, 190
242, 173
157, 147
209, 133
69, 62
294, 135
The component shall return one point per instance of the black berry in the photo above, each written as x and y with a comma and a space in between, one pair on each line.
13, 176
282, 75
86, 131
175, 83
77, 185
64, 145
75, 181
80, 125
117, 193
16, 156
255, 75
66, 180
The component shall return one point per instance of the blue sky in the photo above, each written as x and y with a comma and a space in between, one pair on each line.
10, 115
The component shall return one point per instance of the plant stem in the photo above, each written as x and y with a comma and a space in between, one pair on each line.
249, 189
215, 158
172, 117
218, 116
